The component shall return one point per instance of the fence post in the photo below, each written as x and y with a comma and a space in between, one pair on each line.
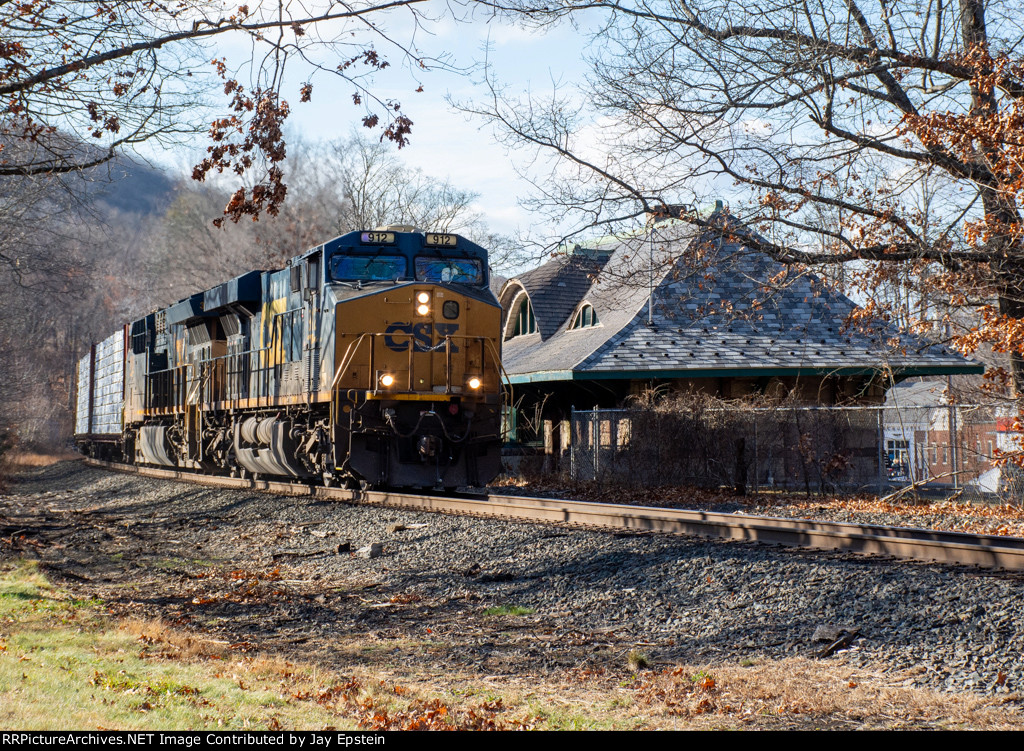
572, 442
756, 482
881, 450
613, 441
954, 442
595, 443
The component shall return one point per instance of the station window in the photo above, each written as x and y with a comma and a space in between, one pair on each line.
526, 322
585, 318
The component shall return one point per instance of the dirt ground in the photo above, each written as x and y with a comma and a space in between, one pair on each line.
201, 573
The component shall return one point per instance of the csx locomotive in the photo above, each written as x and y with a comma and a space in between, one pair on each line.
372, 359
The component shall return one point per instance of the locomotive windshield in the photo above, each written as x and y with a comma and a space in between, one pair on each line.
449, 270
379, 268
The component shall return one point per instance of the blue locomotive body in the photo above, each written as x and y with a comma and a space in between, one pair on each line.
371, 359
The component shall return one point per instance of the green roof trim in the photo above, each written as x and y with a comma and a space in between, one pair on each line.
904, 372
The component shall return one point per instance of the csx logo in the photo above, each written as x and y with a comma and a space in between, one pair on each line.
422, 336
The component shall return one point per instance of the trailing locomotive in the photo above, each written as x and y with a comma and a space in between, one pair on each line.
372, 359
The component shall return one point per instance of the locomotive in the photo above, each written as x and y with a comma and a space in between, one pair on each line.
372, 360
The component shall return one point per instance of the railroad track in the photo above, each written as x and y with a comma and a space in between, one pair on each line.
989, 551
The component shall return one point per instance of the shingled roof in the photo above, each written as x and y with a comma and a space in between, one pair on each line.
555, 288
719, 309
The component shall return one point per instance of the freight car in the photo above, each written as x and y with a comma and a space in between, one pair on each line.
373, 360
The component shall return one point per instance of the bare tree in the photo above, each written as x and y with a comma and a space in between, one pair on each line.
378, 189
335, 187
48, 305
79, 81
821, 123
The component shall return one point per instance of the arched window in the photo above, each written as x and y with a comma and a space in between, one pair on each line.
585, 317
526, 323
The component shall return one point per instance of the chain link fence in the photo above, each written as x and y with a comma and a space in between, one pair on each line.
811, 449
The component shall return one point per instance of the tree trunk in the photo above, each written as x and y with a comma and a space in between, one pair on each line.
1011, 304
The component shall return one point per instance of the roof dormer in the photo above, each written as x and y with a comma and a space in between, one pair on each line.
521, 318
584, 318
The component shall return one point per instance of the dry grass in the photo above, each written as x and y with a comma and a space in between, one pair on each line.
65, 664
173, 644
805, 693
306, 691
20, 459
794, 693
26, 458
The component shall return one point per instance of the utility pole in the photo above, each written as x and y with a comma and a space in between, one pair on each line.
951, 421
650, 278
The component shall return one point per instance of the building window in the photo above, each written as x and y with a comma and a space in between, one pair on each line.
585, 318
526, 322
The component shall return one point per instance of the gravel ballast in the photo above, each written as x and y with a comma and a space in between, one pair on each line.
273, 572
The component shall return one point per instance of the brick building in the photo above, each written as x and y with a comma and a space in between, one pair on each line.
929, 440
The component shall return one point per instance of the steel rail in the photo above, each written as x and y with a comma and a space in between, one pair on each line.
989, 551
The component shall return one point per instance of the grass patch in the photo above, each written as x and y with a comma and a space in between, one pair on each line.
27, 458
585, 717
637, 660
807, 694
509, 610
64, 665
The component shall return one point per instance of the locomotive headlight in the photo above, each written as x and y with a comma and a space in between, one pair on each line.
474, 383
423, 309
387, 380
423, 297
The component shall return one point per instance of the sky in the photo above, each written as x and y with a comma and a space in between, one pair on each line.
445, 142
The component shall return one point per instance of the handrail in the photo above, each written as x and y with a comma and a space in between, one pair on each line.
197, 382
193, 379
353, 348
242, 374
510, 402
497, 361
347, 358
163, 385
184, 377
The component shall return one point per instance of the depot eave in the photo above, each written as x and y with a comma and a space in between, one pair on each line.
899, 372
